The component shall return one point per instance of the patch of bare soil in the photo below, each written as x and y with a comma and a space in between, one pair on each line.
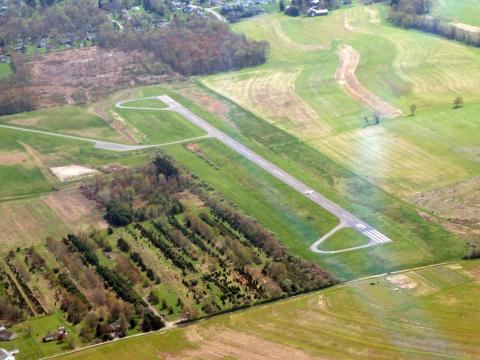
413, 283
80, 75
345, 76
75, 210
470, 233
72, 172
456, 207
228, 343
459, 202
13, 158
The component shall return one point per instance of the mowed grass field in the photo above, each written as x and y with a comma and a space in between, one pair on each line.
160, 126
464, 11
296, 90
422, 314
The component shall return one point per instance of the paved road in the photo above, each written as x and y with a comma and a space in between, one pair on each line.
346, 218
100, 144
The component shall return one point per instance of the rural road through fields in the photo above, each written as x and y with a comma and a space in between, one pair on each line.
347, 220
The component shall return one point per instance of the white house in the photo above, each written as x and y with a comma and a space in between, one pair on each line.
317, 12
7, 355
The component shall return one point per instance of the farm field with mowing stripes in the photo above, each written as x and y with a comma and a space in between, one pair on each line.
401, 315
404, 155
26, 222
29, 221
463, 11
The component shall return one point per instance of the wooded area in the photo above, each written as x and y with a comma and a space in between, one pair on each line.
174, 251
192, 46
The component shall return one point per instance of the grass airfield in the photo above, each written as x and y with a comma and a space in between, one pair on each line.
296, 220
293, 112
429, 313
296, 91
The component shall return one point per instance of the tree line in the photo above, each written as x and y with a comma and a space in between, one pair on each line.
415, 14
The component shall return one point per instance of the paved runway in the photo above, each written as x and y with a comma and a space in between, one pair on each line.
346, 218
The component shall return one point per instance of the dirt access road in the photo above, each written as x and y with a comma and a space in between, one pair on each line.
345, 76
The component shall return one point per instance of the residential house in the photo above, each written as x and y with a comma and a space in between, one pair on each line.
6, 335
59, 335
317, 12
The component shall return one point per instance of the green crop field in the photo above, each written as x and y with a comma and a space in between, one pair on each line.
464, 11
402, 315
296, 91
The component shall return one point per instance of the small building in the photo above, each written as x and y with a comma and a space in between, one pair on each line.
6, 335
188, 9
317, 12
42, 43
59, 335
90, 36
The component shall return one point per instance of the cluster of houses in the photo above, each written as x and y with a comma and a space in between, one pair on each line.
4, 59
66, 41
315, 9
242, 5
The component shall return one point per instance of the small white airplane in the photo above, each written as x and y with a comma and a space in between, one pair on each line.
308, 192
